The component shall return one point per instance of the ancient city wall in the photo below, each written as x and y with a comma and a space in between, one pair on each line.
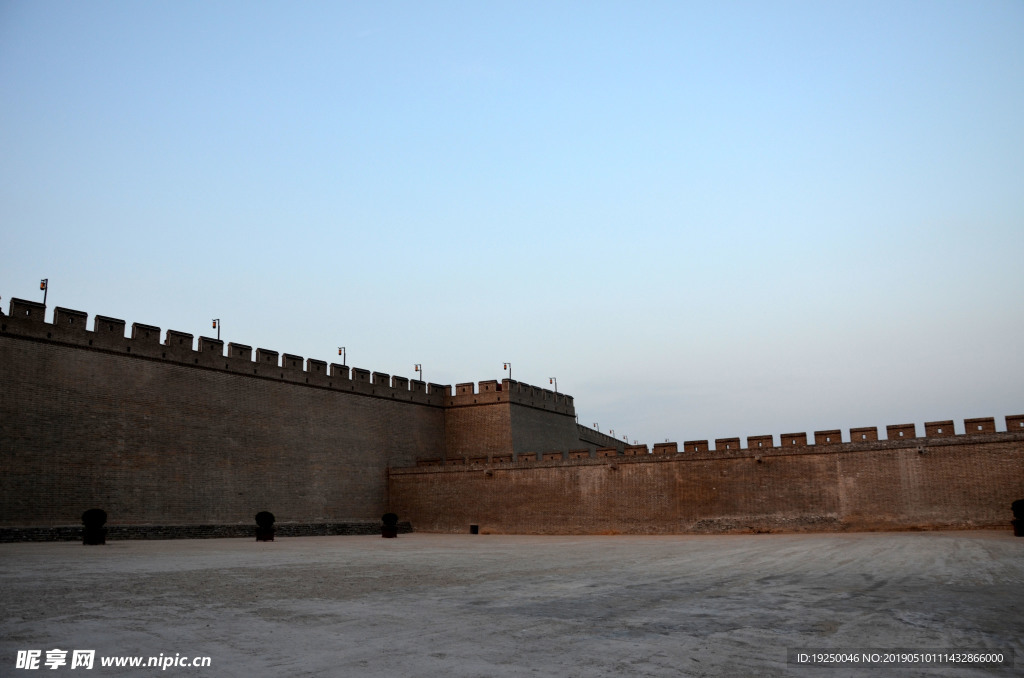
168, 443
904, 482
174, 436
175, 431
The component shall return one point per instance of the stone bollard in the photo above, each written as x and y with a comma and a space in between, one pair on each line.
1018, 517
94, 533
389, 527
264, 526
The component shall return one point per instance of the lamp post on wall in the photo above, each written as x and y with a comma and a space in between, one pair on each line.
554, 380
216, 326
341, 352
508, 366
596, 427
418, 367
44, 285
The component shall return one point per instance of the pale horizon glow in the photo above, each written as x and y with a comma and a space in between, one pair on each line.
706, 220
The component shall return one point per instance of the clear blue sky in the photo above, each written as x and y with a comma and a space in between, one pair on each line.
706, 219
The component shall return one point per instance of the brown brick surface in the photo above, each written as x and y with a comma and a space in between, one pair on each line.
934, 429
900, 431
864, 434
980, 425
860, 486
793, 439
829, 437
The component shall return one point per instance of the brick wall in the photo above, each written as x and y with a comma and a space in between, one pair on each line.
479, 425
957, 482
172, 441
483, 429
180, 432
536, 430
508, 417
156, 442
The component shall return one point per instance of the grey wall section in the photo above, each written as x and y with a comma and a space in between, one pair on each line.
156, 442
535, 430
591, 439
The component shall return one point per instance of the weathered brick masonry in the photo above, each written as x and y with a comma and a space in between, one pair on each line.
964, 481
162, 435
190, 438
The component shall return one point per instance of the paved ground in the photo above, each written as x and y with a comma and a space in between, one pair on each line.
462, 605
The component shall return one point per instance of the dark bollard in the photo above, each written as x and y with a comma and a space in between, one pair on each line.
389, 528
264, 526
94, 533
1018, 517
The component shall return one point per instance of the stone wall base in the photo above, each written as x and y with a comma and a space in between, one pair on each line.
125, 532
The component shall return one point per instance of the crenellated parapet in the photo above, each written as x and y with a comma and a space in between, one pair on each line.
866, 437
508, 391
26, 319
857, 435
597, 438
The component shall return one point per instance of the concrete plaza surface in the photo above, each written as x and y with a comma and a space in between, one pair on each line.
486, 605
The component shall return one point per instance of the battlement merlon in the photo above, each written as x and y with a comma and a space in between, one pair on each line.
150, 333
65, 317
24, 309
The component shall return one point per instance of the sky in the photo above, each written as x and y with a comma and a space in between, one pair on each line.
704, 219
